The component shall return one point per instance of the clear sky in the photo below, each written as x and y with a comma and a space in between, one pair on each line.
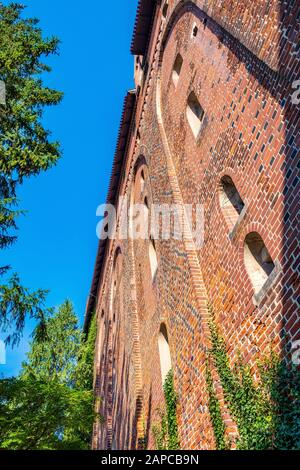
57, 242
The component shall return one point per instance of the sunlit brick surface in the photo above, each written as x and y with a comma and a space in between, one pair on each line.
241, 66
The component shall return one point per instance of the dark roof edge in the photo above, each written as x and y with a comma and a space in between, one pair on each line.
120, 153
143, 26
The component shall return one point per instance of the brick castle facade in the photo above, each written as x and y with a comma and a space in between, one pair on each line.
213, 120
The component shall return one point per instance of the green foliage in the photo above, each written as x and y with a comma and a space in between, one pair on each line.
266, 410
55, 358
8, 216
46, 407
171, 404
18, 302
160, 432
84, 373
282, 383
166, 432
25, 146
215, 412
39, 415
247, 402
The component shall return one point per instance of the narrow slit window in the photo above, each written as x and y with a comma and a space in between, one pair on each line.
231, 202
177, 69
153, 258
165, 9
164, 353
258, 261
195, 114
194, 30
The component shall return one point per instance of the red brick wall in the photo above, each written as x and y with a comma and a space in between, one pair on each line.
241, 66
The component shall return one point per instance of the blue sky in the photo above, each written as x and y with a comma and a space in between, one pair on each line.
57, 239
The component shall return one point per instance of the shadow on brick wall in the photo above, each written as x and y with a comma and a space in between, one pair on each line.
290, 69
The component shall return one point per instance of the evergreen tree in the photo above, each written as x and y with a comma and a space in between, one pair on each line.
50, 405
55, 357
25, 145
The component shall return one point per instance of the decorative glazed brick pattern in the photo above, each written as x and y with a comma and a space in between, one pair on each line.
241, 66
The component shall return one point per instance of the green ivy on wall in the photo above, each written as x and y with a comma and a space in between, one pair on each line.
166, 432
215, 412
266, 410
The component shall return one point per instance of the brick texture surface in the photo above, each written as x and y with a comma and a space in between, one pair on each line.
241, 65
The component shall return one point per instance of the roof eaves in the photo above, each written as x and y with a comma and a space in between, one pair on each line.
142, 27
120, 153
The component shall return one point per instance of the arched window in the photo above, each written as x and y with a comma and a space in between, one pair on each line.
164, 353
258, 261
139, 180
230, 201
177, 69
153, 258
195, 114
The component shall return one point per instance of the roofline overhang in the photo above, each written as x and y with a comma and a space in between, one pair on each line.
127, 121
143, 26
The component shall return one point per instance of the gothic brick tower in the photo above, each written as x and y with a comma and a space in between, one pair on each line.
213, 120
